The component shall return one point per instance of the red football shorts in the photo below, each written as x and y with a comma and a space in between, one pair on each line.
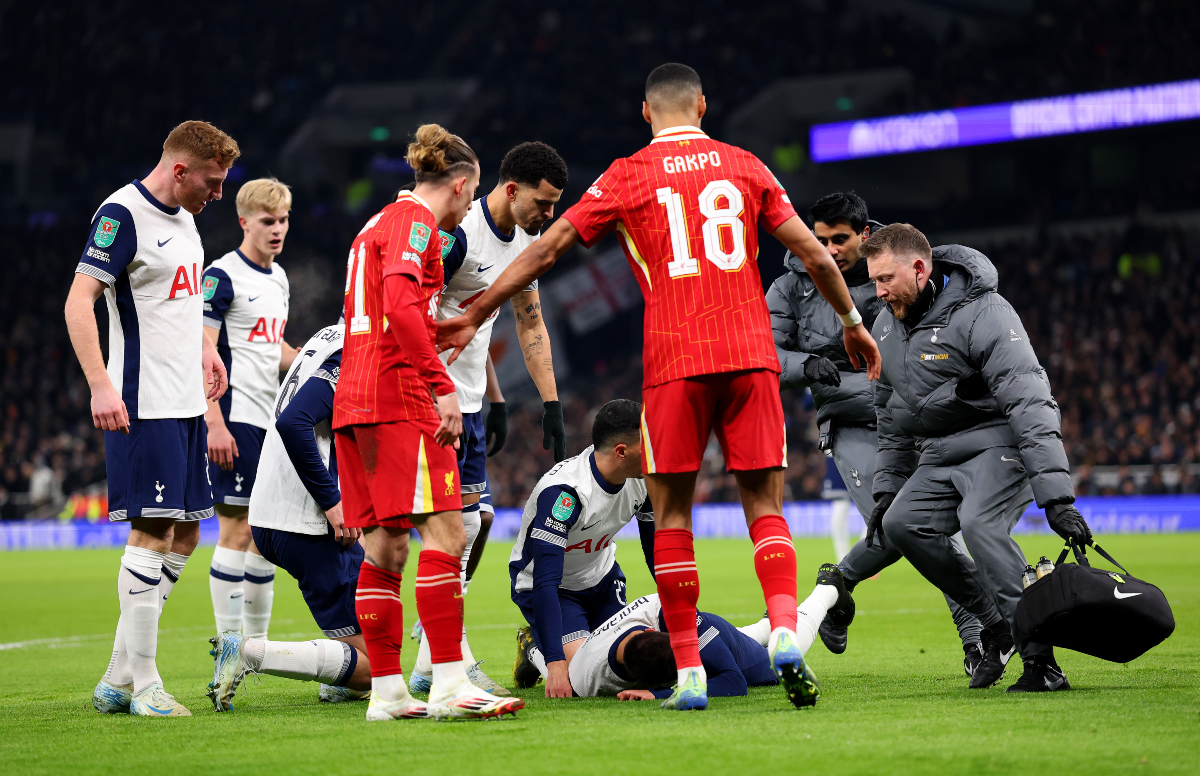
742, 407
389, 471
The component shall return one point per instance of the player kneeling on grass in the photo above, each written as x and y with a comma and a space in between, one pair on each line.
564, 570
630, 655
296, 517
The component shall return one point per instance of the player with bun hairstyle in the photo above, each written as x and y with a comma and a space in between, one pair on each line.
396, 423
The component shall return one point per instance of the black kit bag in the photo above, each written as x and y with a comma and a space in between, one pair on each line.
1110, 615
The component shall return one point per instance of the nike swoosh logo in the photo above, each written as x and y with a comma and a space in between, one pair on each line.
164, 242
1118, 594
251, 299
1010, 460
1005, 656
164, 712
485, 269
147, 590
808, 293
885, 336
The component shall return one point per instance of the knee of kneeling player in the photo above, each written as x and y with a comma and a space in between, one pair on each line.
649, 659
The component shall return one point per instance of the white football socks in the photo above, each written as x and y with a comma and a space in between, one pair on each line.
448, 679
119, 672
137, 590
172, 567
225, 583
839, 527
538, 659
319, 660
260, 593
390, 688
682, 675
809, 616
424, 664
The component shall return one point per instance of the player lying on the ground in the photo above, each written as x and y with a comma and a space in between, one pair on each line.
246, 295
296, 517
563, 568
811, 355
630, 655
145, 257
494, 232
969, 434
688, 210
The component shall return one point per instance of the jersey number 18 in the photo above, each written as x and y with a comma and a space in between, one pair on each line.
715, 218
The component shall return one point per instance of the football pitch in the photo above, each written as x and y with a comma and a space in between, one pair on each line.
895, 702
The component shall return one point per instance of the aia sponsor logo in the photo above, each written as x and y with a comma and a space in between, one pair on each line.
185, 284
272, 332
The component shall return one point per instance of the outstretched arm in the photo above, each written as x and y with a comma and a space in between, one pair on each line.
821, 267
456, 333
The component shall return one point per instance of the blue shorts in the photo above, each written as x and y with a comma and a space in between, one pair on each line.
582, 610
234, 487
472, 454
327, 573
159, 469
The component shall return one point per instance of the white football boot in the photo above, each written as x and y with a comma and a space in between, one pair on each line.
485, 682
327, 693
229, 668
112, 698
406, 708
154, 701
469, 702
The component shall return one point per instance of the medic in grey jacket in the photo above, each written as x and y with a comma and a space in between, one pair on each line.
966, 424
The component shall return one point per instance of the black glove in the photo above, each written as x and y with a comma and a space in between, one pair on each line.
875, 523
1068, 523
819, 369
496, 426
554, 430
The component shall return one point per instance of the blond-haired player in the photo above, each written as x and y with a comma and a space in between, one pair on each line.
245, 314
144, 255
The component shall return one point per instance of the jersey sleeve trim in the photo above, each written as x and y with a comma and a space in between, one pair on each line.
97, 273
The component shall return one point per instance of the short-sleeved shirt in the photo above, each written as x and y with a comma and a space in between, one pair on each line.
150, 257
378, 384
248, 305
686, 210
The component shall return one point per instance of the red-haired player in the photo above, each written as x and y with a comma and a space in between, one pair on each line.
397, 422
686, 209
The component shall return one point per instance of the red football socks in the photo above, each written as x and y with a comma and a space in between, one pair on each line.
678, 591
381, 617
775, 564
440, 604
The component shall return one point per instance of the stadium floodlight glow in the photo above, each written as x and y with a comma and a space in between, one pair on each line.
1006, 121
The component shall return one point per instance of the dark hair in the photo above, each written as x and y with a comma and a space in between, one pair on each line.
531, 163
900, 239
649, 659
406, 187
435, 154
672, 84
840, 207
616, 422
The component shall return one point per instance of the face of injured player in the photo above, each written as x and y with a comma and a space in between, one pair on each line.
198, 182
898, 280
532, 207
266, 231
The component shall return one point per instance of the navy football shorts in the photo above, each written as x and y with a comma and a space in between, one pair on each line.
582, 610
472, 454
327, 573
234, 487
159, 469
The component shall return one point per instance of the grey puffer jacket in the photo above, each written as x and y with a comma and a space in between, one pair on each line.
805, 326
965, 379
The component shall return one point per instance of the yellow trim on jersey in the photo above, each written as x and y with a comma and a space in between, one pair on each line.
423, 491
679, 133
410, 195
647, 448
637, 256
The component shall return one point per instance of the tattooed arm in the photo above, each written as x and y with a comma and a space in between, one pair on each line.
535, 343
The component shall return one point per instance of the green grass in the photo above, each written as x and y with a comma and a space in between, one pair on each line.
895, 702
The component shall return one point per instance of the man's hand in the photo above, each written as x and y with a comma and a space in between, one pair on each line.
875, 523
558, 682
554, 430
222, 447
819, 369
214, 371
108, 409
496, 427
860, 344
451, 427
635, 695
1068, 523
343, 534
455, 334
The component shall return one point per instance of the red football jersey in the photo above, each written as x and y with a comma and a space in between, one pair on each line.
377, 383
686, 209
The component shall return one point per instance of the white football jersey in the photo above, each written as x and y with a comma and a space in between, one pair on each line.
150, 256
485, 252
279, 499
592, 671
584, 518
249, 305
